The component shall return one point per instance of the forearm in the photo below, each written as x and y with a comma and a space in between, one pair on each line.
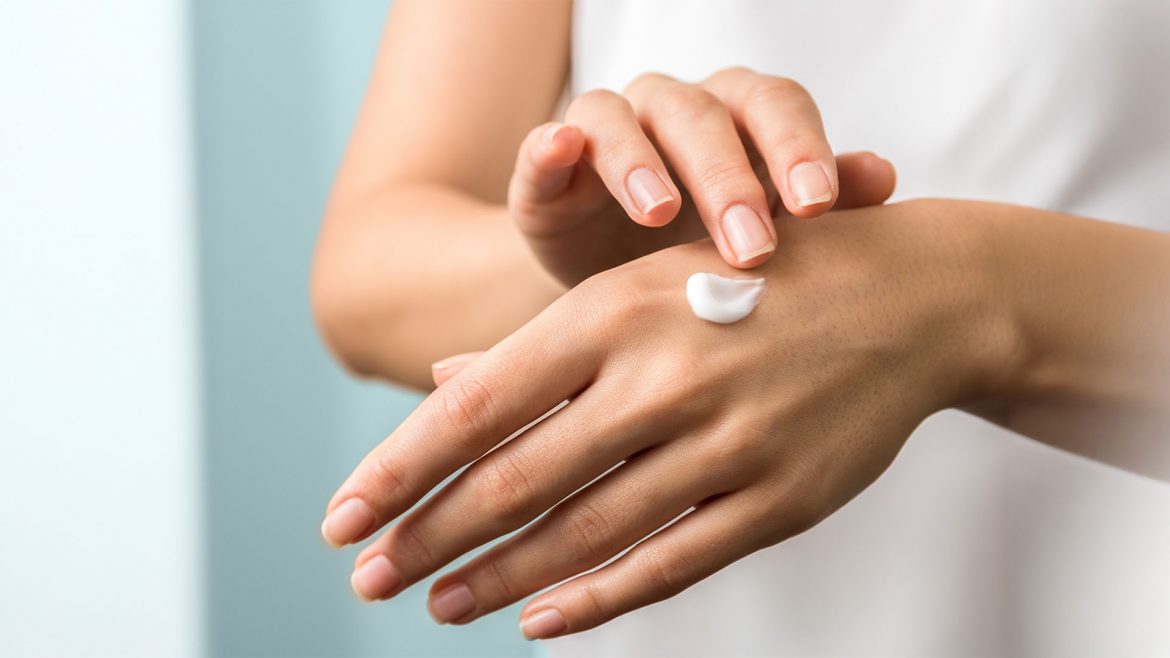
1089, 302
418, 272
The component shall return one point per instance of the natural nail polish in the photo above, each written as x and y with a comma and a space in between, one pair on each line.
647, 190
746, 232
452, 603
544, 624
347, 522
809, 183
376, 579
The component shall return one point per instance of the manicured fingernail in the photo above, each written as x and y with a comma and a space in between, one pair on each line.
746, 232
347, 522
452, 603
647, 189
376, 579
809, 183
550, 133
544, 624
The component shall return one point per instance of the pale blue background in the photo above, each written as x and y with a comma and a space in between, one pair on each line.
277, 83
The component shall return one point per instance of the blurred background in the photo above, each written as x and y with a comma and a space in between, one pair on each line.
170, 424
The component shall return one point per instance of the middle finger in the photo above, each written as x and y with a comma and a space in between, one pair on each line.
696, 133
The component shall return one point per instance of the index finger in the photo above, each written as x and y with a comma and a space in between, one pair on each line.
503, 390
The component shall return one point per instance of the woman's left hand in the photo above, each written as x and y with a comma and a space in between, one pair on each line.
870, 321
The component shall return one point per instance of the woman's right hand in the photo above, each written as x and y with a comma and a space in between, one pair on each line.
741, 143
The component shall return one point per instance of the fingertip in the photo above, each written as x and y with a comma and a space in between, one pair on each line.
653, 199
348, 522
549, 134
659, 215
753, 261
562, 144
552, 149
874, 165
445, 369
890, 172
543, 624
866, 179
811, 189
811, 211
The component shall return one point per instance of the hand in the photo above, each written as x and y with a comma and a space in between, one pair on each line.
873, 320
739, 141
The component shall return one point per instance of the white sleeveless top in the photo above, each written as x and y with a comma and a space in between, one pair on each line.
976, 541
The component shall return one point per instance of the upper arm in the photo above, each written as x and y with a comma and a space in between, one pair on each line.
455, 87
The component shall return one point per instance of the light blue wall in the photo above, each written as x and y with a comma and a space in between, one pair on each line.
277, 84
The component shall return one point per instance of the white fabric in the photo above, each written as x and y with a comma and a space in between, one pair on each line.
976, 542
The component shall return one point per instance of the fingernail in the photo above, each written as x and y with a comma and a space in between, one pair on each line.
452, 603
809, 183
544, 624
347, 522
746, 232
647, 190
454, 360
550, 133
376, 579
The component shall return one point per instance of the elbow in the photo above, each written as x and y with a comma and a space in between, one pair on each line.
338, 315
357, 336
360, 312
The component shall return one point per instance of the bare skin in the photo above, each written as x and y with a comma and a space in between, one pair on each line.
873, 319
433, 181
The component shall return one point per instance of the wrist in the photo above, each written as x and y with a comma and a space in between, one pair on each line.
985, 350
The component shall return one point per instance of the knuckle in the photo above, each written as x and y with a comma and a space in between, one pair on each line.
733, 73
736, 455
412, 545
467, 406
501, 581
587, 528
592, 99
663, 570
618, 149
606, 294
594, 604
799, 508
647, 78
802, 143
772, 90
678, 393
507, 488
690, 102
388, 475
728, 175
804, 510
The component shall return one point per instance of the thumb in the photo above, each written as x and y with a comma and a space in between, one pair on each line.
544, 167
866, 180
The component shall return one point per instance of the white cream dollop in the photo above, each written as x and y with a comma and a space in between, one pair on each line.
720, 299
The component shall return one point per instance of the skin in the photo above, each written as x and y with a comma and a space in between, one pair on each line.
448, 158
872, 320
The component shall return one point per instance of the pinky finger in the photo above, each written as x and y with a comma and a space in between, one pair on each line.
698, 545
